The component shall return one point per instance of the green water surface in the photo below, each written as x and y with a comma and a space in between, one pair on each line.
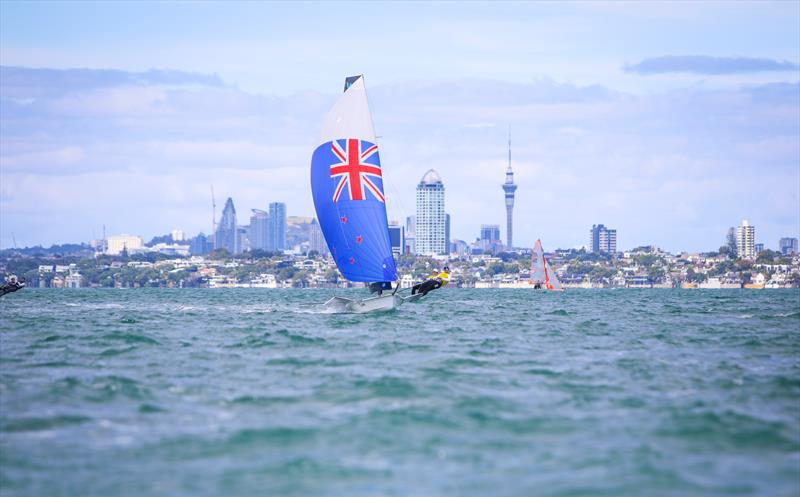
469, 393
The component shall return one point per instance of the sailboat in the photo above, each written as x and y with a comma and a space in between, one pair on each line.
542, 275
347, 186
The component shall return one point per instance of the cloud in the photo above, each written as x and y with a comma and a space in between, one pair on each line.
709, 66
24, 82
142, 156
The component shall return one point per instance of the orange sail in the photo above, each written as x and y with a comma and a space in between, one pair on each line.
551, 280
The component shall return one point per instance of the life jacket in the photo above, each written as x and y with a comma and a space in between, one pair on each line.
444, 276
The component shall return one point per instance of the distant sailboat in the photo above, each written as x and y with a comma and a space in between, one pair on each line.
347, 185
542, 275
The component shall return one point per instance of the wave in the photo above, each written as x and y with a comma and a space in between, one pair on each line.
42, 423
129, 337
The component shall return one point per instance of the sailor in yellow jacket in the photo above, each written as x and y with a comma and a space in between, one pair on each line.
436, 280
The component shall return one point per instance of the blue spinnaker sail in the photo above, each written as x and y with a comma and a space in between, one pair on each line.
347, 185
348, 197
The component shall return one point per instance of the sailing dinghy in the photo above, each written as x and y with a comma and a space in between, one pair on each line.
542, 275
347, 185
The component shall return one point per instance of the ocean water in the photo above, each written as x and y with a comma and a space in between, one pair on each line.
470, 393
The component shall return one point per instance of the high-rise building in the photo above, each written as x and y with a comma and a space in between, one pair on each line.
759, 248
177, 235
411, 225
397, 238
226, 236
509, 188
602, 239
490, 232
788, 246
115, 245
258, 229
199, 245
447, 234
316, 240
410, 238
411, 244
459, 247
431, 222
276, 228
243, 238
746, 240
489, 242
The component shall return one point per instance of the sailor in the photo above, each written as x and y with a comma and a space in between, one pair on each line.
12, 284
436, 280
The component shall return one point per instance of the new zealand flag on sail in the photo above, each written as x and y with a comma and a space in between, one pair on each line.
347, 184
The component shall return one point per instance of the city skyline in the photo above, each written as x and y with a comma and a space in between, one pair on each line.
671, 139
268, 231
740, 240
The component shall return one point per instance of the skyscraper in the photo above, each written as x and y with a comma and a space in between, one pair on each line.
397, 238
746, 240
316, 238
411, 235
788, 246
431, 229
490, 233
509, 187
490, 238
602, 239
243, 238
226, 236
447, 234
276, 227
411, 225
258, 229
199, 245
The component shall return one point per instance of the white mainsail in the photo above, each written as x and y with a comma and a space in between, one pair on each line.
350, 116
538, 276
542, 275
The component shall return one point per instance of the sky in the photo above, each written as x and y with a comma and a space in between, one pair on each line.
669, 122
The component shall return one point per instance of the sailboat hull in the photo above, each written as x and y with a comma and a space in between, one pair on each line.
372, 304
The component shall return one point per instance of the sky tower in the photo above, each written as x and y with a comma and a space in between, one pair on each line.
509, 187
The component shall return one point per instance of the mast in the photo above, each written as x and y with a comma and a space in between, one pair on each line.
538, 274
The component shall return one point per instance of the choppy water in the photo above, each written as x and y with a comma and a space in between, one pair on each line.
473, 392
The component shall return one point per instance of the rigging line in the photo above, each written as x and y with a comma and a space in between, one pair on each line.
394, 194
387, 185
